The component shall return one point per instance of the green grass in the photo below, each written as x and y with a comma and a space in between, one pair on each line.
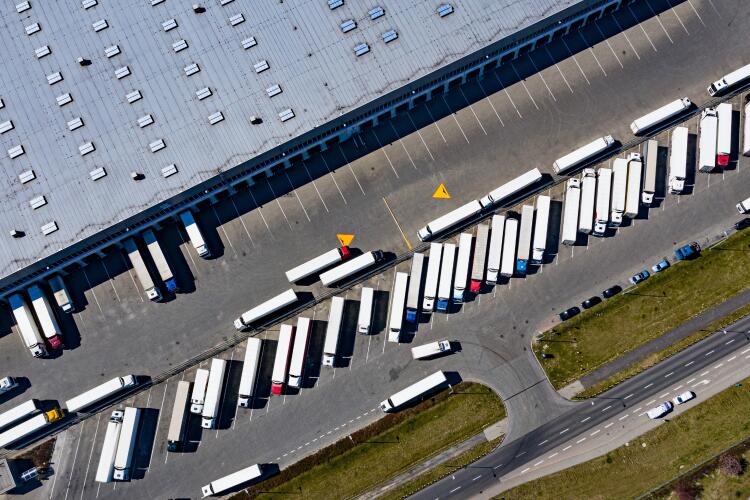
674, 447
658, 305
387, 447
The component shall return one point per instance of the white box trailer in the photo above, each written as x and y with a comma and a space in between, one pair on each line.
541, 227
619, 190
479, 260
524, 238
100, 392
178, 420
651, 155
105, 468
743, 207
265, 309
724, 136
632, 199
446, 277
198, 396
212, 403
126, 444
462, 266
351, 267
603, 195
299, 352
746, 132
194, 234
61, 295
20, 412
317, 264
660, 115
249, 374
510, 188
398, 300
588, 200
333, 330
583, 154
415, 285
449, 220
414, 391
570, 212
678, 160
157, 255
510, 238
27, 326
364, 316
433, 275
29, 427
232, 480
46, 316
730, 80
141, 271
281, 361
432, 349
708, 127
495, 248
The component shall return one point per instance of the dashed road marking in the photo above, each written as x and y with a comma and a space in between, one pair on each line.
688, 364
692, 379
709, 353
539, 463
732, 358
543, 442
607, 408
664, 395
729, 341
585, 419
669, 374
623, 418
704, 373
564, 430
580, 440
651, 402
609, 425
628, 396
677, 388
649, 385
477, 477
525, 470
718, 366
595, 432
567, 447
455, 489
553, 455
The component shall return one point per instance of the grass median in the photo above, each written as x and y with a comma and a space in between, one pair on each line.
663, 302
388, 447
655, 457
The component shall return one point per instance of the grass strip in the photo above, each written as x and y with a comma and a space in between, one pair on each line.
665, 301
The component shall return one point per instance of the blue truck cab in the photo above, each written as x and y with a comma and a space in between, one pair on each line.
689, 251
442, 305
521, 265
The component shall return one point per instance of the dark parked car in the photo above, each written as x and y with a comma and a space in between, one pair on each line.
569, 313
741, 224
590, 302
611, 291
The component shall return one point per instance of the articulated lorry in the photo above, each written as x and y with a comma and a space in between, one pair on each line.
619, 191
540, 229
317, 264
708, 127
603, 196
570, 212
162, 266
651, 154
588, 199
46, 316
495, 249
195, 235
446, 277
632, 198
678, 160
30, 426
480, 258
415, 284
417, 390
60, 292
141, 271
524, 239
27, 326
105, 469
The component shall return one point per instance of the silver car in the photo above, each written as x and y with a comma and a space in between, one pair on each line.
683, 398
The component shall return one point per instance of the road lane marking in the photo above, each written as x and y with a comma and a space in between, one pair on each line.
664, 395
520, 454
729, 341
540, 444
607, 408
677, 388
669, 374
525, 470
709, 352
497, 466
539, 463
580, 440
553, 455
406, 240
455, 489
477, 477
704, 373
585, 419
623, 418
651, 402
638, 409
628, 396
595, 432
609, 425
718, 366
746, 350
688, 364
689, 380
649, 385
564, 431
732, 358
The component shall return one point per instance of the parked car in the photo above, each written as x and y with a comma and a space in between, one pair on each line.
660, 266
611, 291
642, 276
591, 302
7, 384
569, 313
741, 224
683, 398
660, 410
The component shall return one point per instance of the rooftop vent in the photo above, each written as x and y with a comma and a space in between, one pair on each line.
154, 3
42, 51
16, 233
112, 51
215, 118
121, 73
224, 2
179, 45
55, 77
87, 4
249, 42
100, 25
38, 202
133, 96
6, 126
33, 28
273, 90
26, 176
348, 25
157, 145
169, 24
16, 151
86, 148
97, 173
198, 9
75, 123
83, 61
145, 121
376, 12
169, 170
361, 49
64, 99
444, 10
287, 114
389, 36
261, 66
236, 19
335, 4
191, 69
203, 93
49, 228
23, 7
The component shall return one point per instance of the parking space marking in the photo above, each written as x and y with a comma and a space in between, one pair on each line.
229, 240
729, 342
316, 190
432, 118
664, 395
156, 432
592, 53
626, 38
322, 157
351, 169
680, 20
606, 40
487, 98
543, 442
421, 138
380, 145
564, 430
719, 365
298, 198
403, 235
644, 31
709, 353
558, 69
91, 454
553, 455
75, 456
112, 282
276, 198
453, 114
260, 212
513, 103
573, 57
468, 103
732, 358
403, 146
659, 21
523, 83
697, 15
239, 216
536, 70
62, 455
91, 288
688, 364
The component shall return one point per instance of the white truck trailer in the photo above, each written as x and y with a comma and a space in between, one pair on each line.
178, 421
746, 132
232, 480
157, 255
126, 444
510, 188
729, 80
462, 266
317, 264
414, 391
446, 277
433, 275
398, 300
632, 199
46, 316
449, 220
364, 316
583, 154
495, 250
724, 135
351, 267
333, 330
105, 468
651, 155
570, 212
299, 352
20, 412
660, 115
281, 361
265, 309
541, 227
708, 127
61, 295
29, 427
524, 239
588, 200
249, 371
603, 196
198, 396
100, 392
141, 271
194, 234
415, 285
27, 326
479, 260
678, 160
432, 349
619, 190
510, 239
212, 403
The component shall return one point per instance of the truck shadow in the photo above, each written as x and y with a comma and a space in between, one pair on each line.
314, 358
380, 311
348, 334
262, 392
144, 443
228, 403
193, 433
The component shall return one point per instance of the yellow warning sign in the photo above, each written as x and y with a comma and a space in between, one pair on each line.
441, 192
345, 239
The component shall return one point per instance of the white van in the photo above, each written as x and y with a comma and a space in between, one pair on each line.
364, 321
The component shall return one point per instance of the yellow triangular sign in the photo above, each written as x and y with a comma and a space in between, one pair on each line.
441, 192
345, 239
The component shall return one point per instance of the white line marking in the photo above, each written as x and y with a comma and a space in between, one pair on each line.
689, 380
565, 430
585, 419
704, 373
553, 455
607, 408
628, 396
746, 350
732, 358
677, 388
580, 440
622, 418
91, 454
649, 385
540, 444
567, 447
669, 374
595, 432
539, 463
75, 455
638, 409
718, 366
455, 489
729, 342
651, 402
709, 353
609, 425
664, 395
477, 477
688, 364
526, 469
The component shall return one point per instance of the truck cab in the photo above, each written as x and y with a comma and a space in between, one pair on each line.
689, 251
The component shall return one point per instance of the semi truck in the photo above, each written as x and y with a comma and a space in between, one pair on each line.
651, 155
415, 284
449, 220
398, 300
729, 80
20, 412
708, 127
462, 267
495, 250
417, 390
333, 330
214, 387
61, 295
299, 352
678, 160
27, 326
317, 264
433, 275
178, 421
106, 464
351, 267
570, 212
524, 239
510, 238
126, 444
198, 396
364, 317
162, 266
46, 316
583, 154
588, 200
603, 196
30, 426
510, 188
688, 251
480, 258
281, 361
432, 349
540, 229
249, 371
746, 132
232, 480
141, 272
724, 136
632, 199
446, 277
100, 392
660, 115
619, 191
265, 309
194, 234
